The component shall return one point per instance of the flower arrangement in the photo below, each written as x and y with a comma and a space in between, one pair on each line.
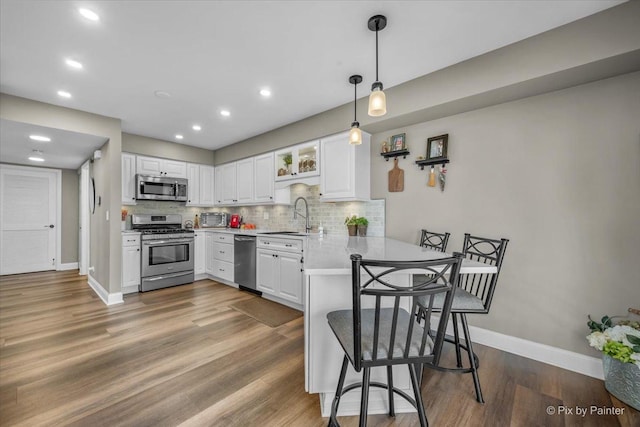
618, 339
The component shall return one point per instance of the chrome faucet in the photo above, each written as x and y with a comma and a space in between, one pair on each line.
306, 212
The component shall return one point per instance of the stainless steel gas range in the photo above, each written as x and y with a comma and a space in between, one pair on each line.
167, 251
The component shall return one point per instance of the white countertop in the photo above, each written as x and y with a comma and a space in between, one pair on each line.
330, 255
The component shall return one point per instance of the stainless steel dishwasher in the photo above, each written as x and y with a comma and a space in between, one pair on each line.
244, 269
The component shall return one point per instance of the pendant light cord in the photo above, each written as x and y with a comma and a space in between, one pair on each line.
377, 51
355, 102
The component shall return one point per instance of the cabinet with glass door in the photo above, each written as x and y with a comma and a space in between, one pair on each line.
299, 161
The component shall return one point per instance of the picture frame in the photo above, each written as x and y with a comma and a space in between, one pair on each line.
398, 142
437, 147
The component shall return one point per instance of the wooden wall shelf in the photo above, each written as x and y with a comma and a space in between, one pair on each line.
396, 153
432, 162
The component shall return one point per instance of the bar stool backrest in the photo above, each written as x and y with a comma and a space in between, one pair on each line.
394, 332
435, 241
488, 251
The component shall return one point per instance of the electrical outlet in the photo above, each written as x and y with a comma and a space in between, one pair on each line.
265, 215
107, 215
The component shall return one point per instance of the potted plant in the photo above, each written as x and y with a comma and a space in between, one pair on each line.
619, 341
287, 159
362, 224
352, 225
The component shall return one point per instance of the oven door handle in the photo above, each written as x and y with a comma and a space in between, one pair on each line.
167, 276
166, 242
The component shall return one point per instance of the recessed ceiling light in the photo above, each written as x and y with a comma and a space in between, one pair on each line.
40, 138
178, 136
265, 92
73, 64
162, 94
36, 156
196, 128
89, 14
225, 113
64, 94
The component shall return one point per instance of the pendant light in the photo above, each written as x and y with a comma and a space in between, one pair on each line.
377, 99
355, 134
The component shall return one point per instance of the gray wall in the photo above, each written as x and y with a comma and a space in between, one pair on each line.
559, 175
170, 150
70, 212
106, 247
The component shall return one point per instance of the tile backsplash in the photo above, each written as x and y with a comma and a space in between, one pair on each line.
330, 215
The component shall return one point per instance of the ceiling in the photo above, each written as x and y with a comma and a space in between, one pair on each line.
215, 55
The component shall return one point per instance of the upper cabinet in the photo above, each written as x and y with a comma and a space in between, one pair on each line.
263, 184
201, 185
298, 162
249, 182
128, 179
345, 169
160, 167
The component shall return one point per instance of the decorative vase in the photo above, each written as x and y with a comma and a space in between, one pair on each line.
622, 380
362, 230
352, 229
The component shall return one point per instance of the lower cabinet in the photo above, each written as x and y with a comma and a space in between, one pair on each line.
279, 272
199, 253
220, 255
130, 262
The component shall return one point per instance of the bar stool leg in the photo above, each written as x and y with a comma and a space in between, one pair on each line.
336, 400
456, 337
364, 399
418, 396
392, 412
472, 361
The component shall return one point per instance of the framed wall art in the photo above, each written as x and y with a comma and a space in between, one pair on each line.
398, 142
437, 146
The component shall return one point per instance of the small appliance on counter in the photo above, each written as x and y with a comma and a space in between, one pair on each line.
214, 220
235, 221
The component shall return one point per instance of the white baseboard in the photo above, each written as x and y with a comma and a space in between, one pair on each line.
565, 359
68, 266
107, 298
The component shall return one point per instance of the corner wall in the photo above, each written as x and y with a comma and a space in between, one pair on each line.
559, 175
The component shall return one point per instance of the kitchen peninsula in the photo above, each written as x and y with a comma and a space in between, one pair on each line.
327, 287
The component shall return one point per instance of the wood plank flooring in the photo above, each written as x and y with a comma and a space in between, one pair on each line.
182, 357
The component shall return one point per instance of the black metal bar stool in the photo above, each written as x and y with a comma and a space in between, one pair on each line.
473, 296
389, 335
433, 240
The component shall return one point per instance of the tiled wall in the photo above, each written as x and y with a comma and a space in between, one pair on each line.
330, 215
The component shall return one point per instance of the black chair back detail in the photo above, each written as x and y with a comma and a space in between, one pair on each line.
435, 241
486, 251
388, 334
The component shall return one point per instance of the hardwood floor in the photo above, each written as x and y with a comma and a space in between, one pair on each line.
182, 357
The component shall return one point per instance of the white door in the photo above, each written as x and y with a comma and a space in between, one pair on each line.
290, 276
338, 176
244, 180
84, 234
193, 188
28, 219
229, 183
207, 181
263, 179
266, 268
128, 179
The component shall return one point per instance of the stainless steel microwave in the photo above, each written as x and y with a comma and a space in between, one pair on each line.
161, 188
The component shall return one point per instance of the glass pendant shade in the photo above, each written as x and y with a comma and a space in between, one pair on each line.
355, 134
377, 103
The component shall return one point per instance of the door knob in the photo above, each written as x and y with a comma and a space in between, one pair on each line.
49, 226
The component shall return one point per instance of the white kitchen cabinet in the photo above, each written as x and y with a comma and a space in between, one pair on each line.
193, 188
209, 250
130, 262
128, 179
201, 185
244, 181
227, 187
161, 167
279, 268
345, 169
200, 253
263, 182
305, 162
222, 256
207, 185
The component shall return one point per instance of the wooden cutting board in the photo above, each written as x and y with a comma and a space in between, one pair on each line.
396, 178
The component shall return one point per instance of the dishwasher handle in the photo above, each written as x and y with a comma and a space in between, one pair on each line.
244, 238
